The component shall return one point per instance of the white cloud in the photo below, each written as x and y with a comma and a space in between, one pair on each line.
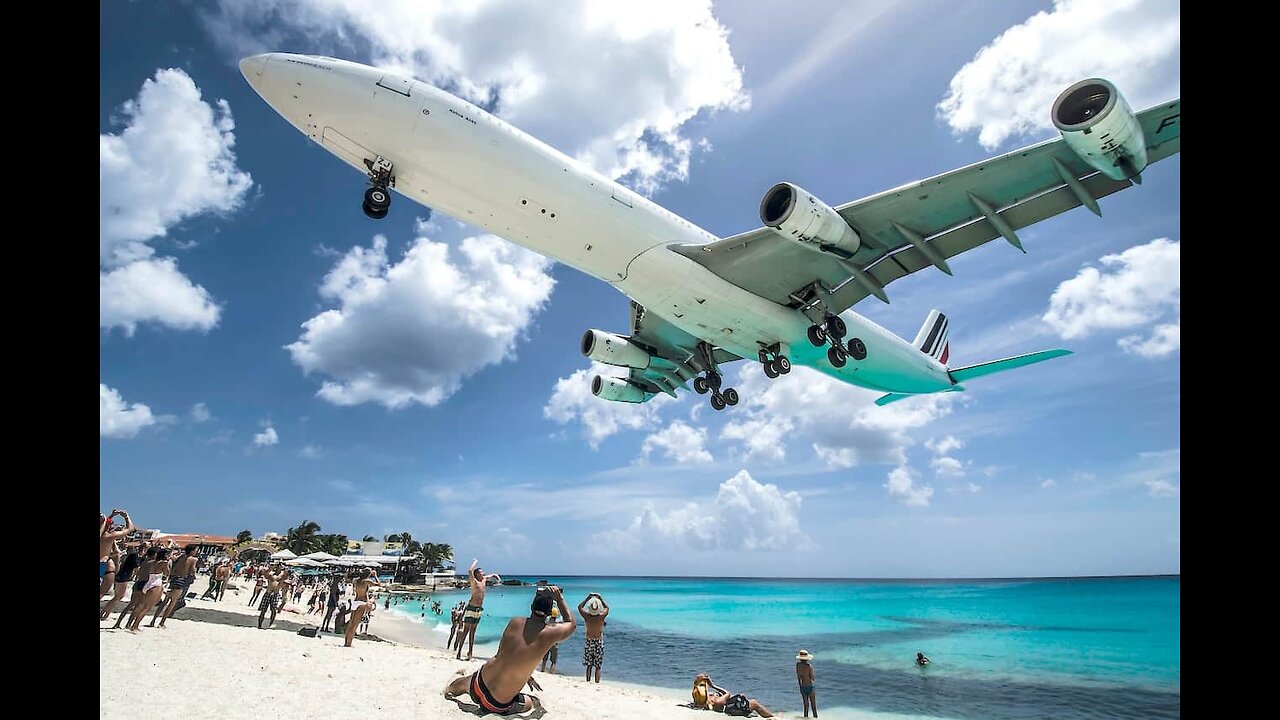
1160, 472
947, 467
761, 437
746, 515
571, 399
902, 485
945, 445
653, 66
311, 452
200, 413
153, 290
172, 161
266, 438
973, 487
412, 331
1008, 88
684, 444
1048, 483
117, 418
837, 423
1164, 340
1131, 289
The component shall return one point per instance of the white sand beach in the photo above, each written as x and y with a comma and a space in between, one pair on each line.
212, 662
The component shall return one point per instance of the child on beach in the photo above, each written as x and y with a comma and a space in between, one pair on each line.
804, 676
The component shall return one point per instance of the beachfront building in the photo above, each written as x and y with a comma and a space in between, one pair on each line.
374, 548
208, 545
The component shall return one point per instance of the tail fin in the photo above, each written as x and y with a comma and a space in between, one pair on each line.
970, 372
933, 338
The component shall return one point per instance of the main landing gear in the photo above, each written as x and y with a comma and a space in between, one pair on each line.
711, 380
377, 199
833, 330
774, 362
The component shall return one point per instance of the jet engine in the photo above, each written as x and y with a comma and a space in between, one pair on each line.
1097, 123
613, 349
617, 390
797, 215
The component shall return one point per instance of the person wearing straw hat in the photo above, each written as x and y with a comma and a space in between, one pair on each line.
804, 675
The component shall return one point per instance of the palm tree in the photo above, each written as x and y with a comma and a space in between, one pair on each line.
436, 554
333, 544
302, 539
370, 538
244, 536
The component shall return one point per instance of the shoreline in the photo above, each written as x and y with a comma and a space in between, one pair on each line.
211, 661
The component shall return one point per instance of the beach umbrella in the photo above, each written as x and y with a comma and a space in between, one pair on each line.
320, 556
285, 554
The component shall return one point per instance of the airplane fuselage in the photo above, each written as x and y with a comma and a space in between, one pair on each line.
456, 158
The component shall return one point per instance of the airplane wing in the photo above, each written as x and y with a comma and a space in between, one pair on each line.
942, 214
664, 340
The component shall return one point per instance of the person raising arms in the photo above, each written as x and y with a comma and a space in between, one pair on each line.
363, 605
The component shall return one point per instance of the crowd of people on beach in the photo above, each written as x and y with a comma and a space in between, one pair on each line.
160, 575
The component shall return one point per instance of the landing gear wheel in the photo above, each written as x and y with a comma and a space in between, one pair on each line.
836, 327
717, 401
857, 349
700, 385
730, 396
378, 198
373, 212
836, 355
817, 336
782, 364
714, 380
770, 369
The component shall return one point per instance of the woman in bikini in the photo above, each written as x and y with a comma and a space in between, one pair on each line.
363, 604
156, 570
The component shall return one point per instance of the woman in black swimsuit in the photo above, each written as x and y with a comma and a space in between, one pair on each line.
123, 575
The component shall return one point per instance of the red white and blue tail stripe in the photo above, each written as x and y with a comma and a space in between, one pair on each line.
933, 338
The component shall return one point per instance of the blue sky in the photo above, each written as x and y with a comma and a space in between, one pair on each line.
225, 232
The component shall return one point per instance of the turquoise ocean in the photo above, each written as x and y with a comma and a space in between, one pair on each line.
1035, 648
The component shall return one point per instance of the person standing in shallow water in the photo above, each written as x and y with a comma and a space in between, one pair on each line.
804, 676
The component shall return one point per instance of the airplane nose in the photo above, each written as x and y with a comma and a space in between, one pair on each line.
252, 68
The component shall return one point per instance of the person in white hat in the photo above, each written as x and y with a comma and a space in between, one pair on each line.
804, 675
594, 610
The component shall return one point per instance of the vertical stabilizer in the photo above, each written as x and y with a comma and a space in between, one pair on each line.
933, 339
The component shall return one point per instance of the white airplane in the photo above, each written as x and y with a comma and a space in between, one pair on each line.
780, 294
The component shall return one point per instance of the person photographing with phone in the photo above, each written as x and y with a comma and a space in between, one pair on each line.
496, 686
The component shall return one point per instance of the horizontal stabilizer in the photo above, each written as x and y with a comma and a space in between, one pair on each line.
987, 368
891, 397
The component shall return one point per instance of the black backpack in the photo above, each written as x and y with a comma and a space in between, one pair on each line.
737, 705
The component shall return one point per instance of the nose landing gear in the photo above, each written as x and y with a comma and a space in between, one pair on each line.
377, 199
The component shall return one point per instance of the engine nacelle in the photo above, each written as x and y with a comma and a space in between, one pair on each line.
617, 390
612, 349
796, 214
1098, 124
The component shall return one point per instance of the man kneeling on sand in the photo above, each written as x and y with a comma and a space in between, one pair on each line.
495, 687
